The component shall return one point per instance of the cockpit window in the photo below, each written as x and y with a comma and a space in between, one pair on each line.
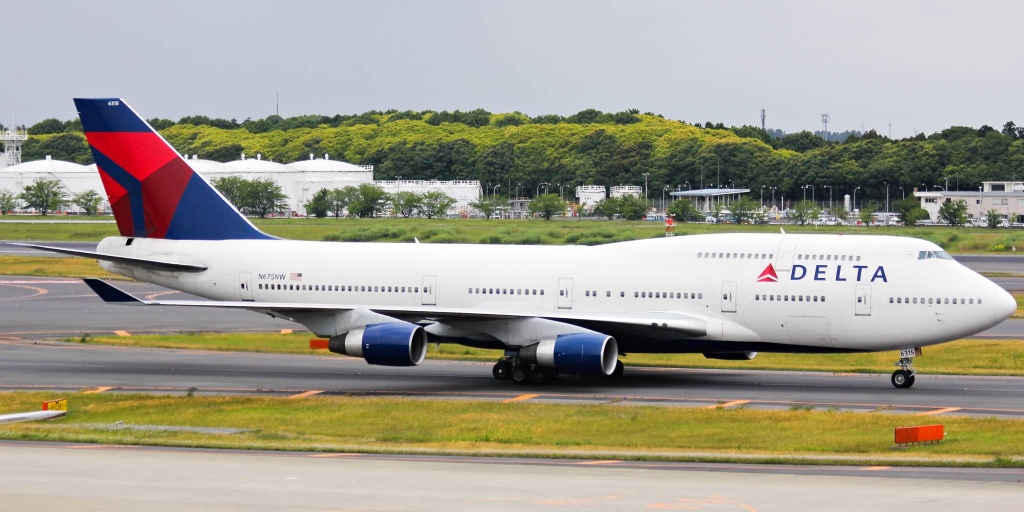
929, 255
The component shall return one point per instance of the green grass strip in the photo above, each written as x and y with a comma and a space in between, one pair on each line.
328, 423
964, 357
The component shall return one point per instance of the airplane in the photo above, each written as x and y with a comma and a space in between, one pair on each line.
552, 309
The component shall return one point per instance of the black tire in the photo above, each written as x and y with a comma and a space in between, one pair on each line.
541, 375
901, 379
502, 370
910, 380
619, 367
520, 375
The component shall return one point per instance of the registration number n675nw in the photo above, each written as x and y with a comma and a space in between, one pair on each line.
908, 352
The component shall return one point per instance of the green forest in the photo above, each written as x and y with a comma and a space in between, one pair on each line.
591, 147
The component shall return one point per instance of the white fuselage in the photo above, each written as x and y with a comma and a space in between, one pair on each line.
833, 292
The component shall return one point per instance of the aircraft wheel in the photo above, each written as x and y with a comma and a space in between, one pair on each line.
541, 375
619, 367
520, 375
502, 370
902, 379
910, 380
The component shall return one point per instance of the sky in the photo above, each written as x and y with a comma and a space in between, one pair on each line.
920, 65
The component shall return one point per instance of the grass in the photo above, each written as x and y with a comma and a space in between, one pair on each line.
586, 232
52, 267
964, 357
489, 428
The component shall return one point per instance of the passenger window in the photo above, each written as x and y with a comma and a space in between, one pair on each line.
930, 300
700, 295
416, 289
587, 293
542, 292
946, 301
972, 301
915, 300
890, 300
636, 294
858, 258
899, 300
785, 298
757, 297
698, 255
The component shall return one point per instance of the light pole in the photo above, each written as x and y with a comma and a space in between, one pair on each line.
687, 185
517, 189
829, 187
762, 197
904, 192
855, 197
494, 190
647, 197
808, 186
773, 196
538, 189
925, 187
399, 193
559, 185
939, 186
663, 197
886, 199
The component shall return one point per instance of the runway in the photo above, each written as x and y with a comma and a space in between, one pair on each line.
36, 476
63, 366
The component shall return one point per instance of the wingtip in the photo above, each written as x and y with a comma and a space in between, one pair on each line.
110, 293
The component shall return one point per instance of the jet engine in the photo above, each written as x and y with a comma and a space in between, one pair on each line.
581, 353
387, 344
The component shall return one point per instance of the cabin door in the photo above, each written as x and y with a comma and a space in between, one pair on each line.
863, 304
245, 285
787, 251
428, 294
729, 297
564, 293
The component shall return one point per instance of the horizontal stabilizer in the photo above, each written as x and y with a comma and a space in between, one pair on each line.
145, 263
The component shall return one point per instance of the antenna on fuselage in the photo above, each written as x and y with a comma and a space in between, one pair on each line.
783, 231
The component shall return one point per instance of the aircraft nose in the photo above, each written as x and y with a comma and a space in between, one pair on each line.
1003, 305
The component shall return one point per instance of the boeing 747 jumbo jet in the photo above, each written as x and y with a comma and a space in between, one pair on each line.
553, 310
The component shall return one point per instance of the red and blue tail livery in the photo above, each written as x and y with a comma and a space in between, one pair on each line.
152, 190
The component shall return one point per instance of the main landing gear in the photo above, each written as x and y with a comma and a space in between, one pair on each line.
519, 372
904, 377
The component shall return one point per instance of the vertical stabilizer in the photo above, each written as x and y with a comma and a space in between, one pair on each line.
153, 192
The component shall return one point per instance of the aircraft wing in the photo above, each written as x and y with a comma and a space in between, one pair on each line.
682, 325
146, 263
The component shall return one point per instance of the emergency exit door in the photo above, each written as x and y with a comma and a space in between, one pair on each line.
428, 294
564, 293
729, 297
863, 298
245, 285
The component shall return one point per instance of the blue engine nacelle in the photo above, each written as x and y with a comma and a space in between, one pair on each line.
390, 344
582, 353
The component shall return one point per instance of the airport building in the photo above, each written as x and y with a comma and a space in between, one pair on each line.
299, 181
1006, 197
589, 195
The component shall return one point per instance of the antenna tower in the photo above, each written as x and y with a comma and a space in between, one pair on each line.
762, 120
824, 125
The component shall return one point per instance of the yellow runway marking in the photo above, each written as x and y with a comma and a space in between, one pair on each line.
876, 468
939, 411
99, 390
730, 404
519, 398
307, 393
123, 334
596, 462
286, 331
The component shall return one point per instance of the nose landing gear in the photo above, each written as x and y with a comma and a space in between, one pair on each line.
904, 377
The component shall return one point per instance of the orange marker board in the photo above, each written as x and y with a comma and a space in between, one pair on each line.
920, 434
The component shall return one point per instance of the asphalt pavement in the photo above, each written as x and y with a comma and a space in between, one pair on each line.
75, 477
61, 366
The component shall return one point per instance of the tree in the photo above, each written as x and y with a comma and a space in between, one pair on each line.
839, 211
89, 201
954, 213
320, 204
716, 212
608, 207
45, 195
405, 203
633, 207
993, 218
910, 211
368, 201
436, 204
232, 188
263, 196
867, 213
547, 205
8, 201
684, 211
341, 198
488, 206
742, 209
805, 211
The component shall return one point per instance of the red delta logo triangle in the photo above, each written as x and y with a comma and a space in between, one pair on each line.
768, 275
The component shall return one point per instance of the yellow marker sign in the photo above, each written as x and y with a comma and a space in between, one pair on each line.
61, 404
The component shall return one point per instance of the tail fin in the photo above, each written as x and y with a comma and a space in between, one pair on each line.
152, 190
